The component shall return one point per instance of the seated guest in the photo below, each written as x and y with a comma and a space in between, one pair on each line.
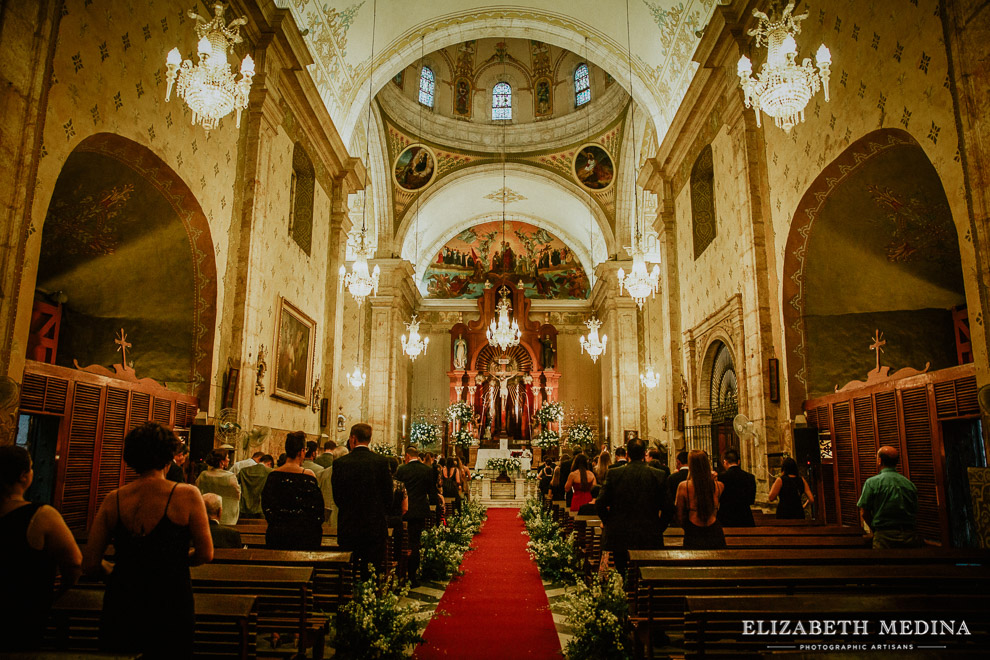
222, 535
326, 458
252, 482
589, 508
579, 482
216, 479
697, 504
247, 462
148, 604
739, 493
309, 462
292, 503
620, 458
789, 486
176, 472
36, 542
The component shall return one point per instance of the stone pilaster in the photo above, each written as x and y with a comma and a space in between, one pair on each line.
340, 225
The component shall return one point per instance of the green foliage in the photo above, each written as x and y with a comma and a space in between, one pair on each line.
424, 434
553, 553
580, 434
460, 411
549, 412
462, 438
546, 438
443, 546
531, 508
374, 625
598, 613
383, 449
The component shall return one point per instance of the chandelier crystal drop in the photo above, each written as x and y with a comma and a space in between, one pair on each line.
360, 282
504, 334
356, 378
592, 344
416, 344
783, 87
209, 87
651, 378
639, 283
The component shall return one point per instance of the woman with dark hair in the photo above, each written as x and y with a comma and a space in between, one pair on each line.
292, 501
217, 479
546, 474
148, 605
400, 499
789, 486
581, 481
36, 542
697, 504
450, 482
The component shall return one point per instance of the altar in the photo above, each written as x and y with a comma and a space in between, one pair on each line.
485, 454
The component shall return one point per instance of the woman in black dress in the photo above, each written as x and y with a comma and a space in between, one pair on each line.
148, 605
789, 487
697, 504
292, 501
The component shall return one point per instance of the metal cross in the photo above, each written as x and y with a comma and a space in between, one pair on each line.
878, 343
122, 346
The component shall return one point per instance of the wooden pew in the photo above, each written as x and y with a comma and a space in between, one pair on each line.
333, 572
258, 541
260, 526
284, 595
782, 542
807, 557
225, 625
714, 624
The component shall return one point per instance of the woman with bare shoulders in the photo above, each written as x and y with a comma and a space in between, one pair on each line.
580, 481
697, 503
293, 502
36, 542
148, 605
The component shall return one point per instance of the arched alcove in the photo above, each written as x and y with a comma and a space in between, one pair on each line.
872, 247
126, 245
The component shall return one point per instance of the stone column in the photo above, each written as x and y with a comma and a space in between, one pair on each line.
340, 225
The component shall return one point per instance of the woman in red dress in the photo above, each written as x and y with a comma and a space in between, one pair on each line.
581, 480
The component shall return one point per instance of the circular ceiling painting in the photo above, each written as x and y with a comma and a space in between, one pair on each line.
415, 167
593, 167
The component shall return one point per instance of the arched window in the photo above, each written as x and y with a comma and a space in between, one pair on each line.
427, 85
582, 85
723, 388
703, 201
301, 190
502, 101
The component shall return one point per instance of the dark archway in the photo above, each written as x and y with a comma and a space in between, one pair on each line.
128, 245
872, 246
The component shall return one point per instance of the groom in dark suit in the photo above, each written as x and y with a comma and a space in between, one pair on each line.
362, 491
739, 494
421, 487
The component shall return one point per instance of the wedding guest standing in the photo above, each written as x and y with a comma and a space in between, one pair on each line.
789, 486
217, 479
292, 502
739, 494
697, 504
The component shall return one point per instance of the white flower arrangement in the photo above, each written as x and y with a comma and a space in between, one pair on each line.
383, 449
546, 439
550, 412
503, 464
424, 433
460, 411
580, 434
462, 438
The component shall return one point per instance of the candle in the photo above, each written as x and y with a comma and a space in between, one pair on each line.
403, 426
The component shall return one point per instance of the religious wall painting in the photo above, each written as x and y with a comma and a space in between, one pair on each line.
415, 167
295, 341
533, 257
544, 97
593, 167
462, 97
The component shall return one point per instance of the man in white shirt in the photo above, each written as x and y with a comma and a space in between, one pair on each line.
247, 462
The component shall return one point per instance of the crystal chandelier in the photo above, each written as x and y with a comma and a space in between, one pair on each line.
359, 281
638, 282
416, 344
651, 378
504, 334
208, 87
592, 344
356, 378
783, 88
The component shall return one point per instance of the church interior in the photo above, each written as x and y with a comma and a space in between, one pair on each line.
750, 225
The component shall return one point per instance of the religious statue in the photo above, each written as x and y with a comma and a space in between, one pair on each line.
549, 353
460, 353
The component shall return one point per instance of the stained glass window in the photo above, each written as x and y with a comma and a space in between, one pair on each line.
582, 85
427, 85
502, 101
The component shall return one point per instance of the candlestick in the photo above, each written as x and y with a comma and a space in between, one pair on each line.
403, 426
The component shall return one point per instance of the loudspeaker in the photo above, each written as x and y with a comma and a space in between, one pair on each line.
806, 449
200, 441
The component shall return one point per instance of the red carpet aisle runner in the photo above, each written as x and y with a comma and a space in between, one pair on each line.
498, 608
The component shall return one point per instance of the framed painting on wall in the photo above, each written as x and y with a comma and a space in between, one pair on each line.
295, 341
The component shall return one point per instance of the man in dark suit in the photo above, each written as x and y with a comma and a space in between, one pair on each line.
635, 507
423, 499
680, 475
620, 458
362, 491
657, 461
739, 494
223, 536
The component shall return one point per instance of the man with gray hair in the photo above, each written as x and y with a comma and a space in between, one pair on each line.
223, 536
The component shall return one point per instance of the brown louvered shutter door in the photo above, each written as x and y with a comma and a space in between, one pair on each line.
43, 394
163, 412
819, 418
866, 443
956, 398
79, 457
920, 463
887, 430
112, 451
842, 451
140, 413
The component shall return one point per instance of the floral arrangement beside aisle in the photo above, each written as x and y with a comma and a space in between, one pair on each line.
460, 411
374, 625
598, 614
443, 546
424, 434
506, 465
463, 438
552, 551
580, 434
383, 449
546, 439
549, 412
